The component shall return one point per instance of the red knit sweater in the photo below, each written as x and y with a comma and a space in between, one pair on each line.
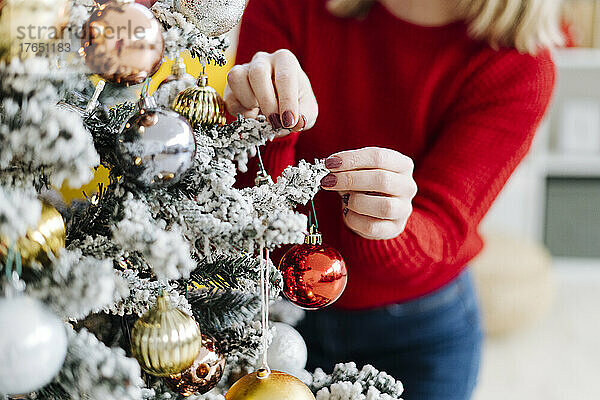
465, 113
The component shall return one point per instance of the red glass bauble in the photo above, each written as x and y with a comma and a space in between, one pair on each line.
314, 275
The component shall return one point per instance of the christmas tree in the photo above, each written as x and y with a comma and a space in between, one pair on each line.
158, 285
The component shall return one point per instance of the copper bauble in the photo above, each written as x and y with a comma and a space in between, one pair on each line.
263, 386
47, 238
314, 273
165, 340
201, 105
205, 372
156, 146
123, 42
212, 17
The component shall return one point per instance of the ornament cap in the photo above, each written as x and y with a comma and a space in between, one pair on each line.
147, 102
262, 178
202, 80
263, 373
178, 68
162, 303
314, 237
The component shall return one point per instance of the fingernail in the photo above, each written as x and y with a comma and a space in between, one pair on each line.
329, 181
346, 198
288, 119
303, 118
333, 162
346, 211
275, 121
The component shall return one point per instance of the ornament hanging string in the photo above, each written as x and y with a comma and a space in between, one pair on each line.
314, 213
264, 296
146, 88
261, 165
13, 258
13, 270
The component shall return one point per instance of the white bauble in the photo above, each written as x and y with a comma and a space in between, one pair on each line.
33, 345
287, 352
212, 17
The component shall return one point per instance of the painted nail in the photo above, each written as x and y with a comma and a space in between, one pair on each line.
303, 118
329, 181
288, 119
275, 121
333, 162
346, 211
346, 198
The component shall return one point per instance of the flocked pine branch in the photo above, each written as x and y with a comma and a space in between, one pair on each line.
94, 371
74, 286
35, 134
181, 35
142, 296
166, 251
347, 382
19, 210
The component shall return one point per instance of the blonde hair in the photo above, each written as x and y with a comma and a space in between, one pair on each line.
527, 25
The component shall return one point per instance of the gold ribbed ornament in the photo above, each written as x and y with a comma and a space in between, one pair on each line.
48, 237
201, 105
262, 385
165, 340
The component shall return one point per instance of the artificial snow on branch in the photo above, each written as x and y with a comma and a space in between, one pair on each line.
74, 286
93, 371
167, 252
19, 210
347, 382
36, 134
143, 293
181, 35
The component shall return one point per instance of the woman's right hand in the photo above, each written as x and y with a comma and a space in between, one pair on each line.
276, 86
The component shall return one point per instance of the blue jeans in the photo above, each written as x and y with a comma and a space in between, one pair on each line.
431, 344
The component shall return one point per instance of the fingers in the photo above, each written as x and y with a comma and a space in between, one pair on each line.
276, 86
286, 77
373, 228
381, 207
374, 180
309, 108
241, 90
235, 107
260, 73
370, 158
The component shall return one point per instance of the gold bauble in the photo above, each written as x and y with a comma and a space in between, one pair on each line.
165, 340
28, 27
204, 374
263, 386
201, 105
39, 242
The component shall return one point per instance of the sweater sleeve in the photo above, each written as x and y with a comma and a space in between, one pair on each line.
482, 139
270, 25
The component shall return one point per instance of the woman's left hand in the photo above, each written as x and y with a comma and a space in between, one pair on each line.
377, 188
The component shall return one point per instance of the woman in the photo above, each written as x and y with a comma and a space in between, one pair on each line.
426, 108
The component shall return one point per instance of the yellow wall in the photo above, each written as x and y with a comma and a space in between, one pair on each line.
217, 78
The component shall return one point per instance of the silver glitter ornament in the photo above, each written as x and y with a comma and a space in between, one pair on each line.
156, 146
212, 17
